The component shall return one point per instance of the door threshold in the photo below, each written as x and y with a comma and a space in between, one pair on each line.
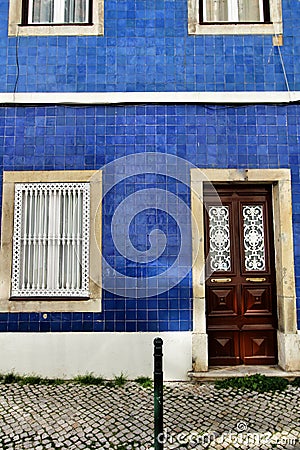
223, 372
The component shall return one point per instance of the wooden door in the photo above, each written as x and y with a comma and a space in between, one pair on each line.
240, 286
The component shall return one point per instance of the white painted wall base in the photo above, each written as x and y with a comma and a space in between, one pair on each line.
66, 355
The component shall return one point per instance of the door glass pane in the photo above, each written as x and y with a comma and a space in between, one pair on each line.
254, 239
219, 238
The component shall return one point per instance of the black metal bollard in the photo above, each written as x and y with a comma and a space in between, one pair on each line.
158, 395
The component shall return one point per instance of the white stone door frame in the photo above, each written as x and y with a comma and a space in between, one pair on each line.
287, 337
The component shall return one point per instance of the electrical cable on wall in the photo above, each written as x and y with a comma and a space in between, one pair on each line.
277, 36
17, 62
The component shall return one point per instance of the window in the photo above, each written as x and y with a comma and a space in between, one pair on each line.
50, 254
56, 11
51, 240
55, 17
234, 11
235, 17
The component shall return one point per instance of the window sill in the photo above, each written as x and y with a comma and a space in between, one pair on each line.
50, 305
235, 29
55, 30
48, 299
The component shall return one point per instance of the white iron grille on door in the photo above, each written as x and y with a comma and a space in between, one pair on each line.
254, 237
219, 238
51, 240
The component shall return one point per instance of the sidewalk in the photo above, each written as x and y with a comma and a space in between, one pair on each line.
196, 416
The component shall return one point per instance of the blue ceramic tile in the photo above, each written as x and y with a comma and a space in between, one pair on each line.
44, 326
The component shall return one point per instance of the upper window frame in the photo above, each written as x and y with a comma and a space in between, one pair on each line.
26, 9
274, 27
18, 23
51, 304
265, 12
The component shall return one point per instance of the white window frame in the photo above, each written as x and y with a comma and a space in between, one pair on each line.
15, 27
274, 28
51, 303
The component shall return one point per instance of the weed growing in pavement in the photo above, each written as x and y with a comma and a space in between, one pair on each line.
145, 382
12, 377
120, 381
296, 382
89, 378
257, 382
32, 379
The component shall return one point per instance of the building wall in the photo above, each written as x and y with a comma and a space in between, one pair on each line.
146, 47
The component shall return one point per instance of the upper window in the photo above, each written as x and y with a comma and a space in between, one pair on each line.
56, 11
55, 17
234, 11
235, 17
50, 255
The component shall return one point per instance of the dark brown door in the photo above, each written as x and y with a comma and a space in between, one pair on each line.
240, 286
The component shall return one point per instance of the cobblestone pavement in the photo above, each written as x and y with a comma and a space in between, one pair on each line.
72, 416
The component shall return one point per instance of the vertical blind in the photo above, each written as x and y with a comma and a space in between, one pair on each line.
58, 11
233, 11
51, 239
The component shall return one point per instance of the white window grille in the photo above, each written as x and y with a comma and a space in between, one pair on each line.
58, 11
51, 240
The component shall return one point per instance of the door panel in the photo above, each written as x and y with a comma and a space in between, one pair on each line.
223, 347
222, 302
240, 286
257, 300
258, 347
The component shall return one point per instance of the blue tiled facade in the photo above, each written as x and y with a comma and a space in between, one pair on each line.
58, 138
146, 47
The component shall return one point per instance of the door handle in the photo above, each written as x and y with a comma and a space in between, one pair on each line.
220, 280
256, 280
